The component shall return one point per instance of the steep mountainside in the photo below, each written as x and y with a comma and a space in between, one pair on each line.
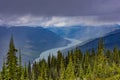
83, 33
111, 40
31, 40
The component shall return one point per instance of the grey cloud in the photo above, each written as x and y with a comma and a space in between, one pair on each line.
58, 7
57, 21
101, 11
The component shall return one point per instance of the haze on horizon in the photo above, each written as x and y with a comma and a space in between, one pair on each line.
59, 13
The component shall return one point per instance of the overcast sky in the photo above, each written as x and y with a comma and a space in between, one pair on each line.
59, 12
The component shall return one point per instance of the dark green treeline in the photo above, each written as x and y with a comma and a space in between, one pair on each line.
100, 64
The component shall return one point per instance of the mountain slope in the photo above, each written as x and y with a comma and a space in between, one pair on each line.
31, 40
83, 33
111, 40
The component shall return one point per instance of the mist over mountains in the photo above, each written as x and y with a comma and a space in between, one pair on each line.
34, 40
90, 35
83, 33
111, 40
30, 40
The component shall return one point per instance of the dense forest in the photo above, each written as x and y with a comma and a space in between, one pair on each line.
100, 64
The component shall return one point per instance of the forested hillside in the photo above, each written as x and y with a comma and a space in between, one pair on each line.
100, 64
111, 40
59, 39
31, 40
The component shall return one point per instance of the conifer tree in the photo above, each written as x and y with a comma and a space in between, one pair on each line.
115, 55
43, 70
19, 73
35, 71
3, 73
81, 72
97, 64
69, 73
101, 59
25, 75
77, 59
86, 60
62, 70
12, 61
59, 58
101, 46
29, 71
88, 72
49, 61
109, 56
53, 62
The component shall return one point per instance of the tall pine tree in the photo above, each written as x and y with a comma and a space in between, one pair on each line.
12, 61
3, 73
29, 71
19, 73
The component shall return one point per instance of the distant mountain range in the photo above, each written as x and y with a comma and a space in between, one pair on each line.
111, 40
31, 40
34, 40
90, 35
83, 33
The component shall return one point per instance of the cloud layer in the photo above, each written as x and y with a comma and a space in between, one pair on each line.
56, 21
59, 12
59, 7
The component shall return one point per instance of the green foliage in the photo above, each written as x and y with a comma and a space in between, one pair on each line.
69, 73
19, 73
100, 64
62, 70
12, 61
3, 73
29, 71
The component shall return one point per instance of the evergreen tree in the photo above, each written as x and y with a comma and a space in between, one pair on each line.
12, 61
25, 74
69, 73
3, 73
62, 70
44, 70
81, 72
77, 59
115, 55
101, 46
86, 60
19, 73
35, 71
97, 64
53, 62
101, 60
49, 61
59, 58
29, 71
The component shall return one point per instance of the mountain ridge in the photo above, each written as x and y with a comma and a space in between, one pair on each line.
31, 40
110, 41
83, 33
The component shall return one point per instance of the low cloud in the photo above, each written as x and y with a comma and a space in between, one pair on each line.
58, 21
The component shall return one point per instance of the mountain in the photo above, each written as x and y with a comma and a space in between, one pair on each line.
31, 40
83, 33
111, 40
